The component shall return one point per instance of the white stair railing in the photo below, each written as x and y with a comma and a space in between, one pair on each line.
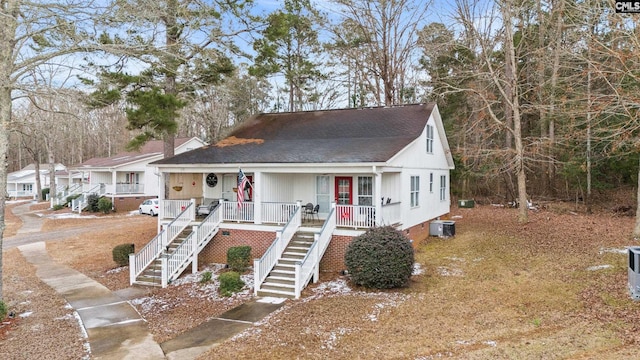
310, 265
187, 252
138, 262
262, 266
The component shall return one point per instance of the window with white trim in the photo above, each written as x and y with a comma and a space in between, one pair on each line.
365, 190
430, 133
443, 187
415, 191
431, 183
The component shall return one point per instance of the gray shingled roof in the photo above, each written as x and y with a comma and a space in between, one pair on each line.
148, 150
329, 136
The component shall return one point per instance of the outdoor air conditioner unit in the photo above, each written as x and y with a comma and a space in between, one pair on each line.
442, 228
634, 272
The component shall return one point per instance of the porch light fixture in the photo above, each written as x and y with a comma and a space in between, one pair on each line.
177, 188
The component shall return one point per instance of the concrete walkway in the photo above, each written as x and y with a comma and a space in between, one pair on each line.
114, 328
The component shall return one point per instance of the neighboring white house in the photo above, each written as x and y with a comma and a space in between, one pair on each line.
22, 183
127, 174
358, 167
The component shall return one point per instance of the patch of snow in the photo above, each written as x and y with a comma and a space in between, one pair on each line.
453, 258
417, 269
599, 267
337, 286
456, 217
70, 216
271, 300
65, 317
117, 270
491, 343
612, 250
26, 314
333, 338
445, 271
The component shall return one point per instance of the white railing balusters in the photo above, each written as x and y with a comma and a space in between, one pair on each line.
187, 252
262, 266
158, 244
310, 265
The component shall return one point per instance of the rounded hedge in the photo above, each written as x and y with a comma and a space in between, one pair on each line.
381, 258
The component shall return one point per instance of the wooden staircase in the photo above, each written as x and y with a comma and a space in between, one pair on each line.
281, 279
152, 275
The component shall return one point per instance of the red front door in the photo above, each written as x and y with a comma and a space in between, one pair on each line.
344, 196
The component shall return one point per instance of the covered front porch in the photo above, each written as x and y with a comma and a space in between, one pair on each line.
362, 196
234, 215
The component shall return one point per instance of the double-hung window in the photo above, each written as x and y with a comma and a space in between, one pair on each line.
365, 190
415, 191
443, 187
430, 139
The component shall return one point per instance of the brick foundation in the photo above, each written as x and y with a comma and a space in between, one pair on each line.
216, 250
332, 261
128, 203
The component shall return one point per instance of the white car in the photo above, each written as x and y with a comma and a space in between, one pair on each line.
149, 207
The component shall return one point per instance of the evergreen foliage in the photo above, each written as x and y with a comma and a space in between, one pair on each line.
239, 258
381, 258
121, 253
230, 283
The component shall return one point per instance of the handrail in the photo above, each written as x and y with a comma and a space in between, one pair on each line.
138, 262
191, 245
310, 264
262, 266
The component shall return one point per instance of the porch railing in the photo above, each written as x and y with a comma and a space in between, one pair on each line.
262, 266
169, 209
310, 265
390, 214
138, 262
355, 216
231, 211
129, 188
278, 213
178, 260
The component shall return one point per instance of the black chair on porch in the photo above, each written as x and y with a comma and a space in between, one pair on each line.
308, 211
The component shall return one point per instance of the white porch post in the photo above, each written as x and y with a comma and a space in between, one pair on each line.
114, 179
161, 200
257, 197
194, 259
377, 194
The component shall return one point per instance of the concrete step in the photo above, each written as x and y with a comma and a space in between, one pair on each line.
269, 285
274, 293
280, 280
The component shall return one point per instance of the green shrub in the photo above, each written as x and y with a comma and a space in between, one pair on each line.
72, 197
230, 283
121, 254
92, 202
381, 258
239, 258
3, 310
105, 205
206, 277
45, 192
58, 207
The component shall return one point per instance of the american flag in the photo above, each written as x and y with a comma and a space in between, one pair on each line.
242, 182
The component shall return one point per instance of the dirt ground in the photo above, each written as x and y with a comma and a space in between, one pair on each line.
554, 288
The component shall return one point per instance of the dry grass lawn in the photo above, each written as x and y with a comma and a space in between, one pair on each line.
555, 288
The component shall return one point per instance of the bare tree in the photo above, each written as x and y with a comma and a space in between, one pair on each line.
33, 34
387, 33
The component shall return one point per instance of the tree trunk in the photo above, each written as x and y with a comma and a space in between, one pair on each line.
512, 110
36, 164
7, 42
